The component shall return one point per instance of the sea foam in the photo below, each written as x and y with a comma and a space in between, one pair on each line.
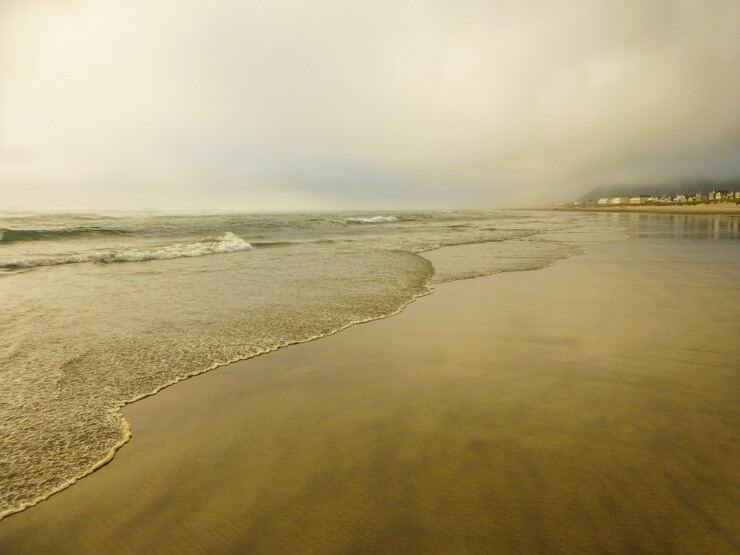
374, 220
226, 243
80, 340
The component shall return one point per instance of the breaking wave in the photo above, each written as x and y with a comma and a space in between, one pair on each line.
375, 220
226, 243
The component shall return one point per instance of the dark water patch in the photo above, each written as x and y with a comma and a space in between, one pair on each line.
271, 244
15, 235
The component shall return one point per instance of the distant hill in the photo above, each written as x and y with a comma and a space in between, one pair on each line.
674, 187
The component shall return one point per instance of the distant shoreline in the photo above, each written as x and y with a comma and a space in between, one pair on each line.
715, 208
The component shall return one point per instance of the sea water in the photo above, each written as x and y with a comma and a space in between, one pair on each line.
100, 309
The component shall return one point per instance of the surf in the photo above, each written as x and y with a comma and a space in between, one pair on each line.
226, 243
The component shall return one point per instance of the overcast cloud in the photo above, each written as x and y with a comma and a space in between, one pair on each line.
291, 104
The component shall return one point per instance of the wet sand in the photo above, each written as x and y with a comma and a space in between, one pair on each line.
587, 407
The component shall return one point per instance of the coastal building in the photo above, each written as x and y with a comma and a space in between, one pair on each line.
666, 198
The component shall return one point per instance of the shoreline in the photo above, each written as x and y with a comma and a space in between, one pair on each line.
490, 415
709, 209
120, 408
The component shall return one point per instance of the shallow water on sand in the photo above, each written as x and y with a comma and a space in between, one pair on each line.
590, 407
101, 309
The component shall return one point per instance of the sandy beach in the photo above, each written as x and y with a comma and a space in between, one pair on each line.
587, 407
367, 278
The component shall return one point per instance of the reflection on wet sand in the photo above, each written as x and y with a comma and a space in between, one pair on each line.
588, 407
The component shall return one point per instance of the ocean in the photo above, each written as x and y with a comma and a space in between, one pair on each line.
101, 309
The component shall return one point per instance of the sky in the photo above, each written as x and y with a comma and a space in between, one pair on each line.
334, 104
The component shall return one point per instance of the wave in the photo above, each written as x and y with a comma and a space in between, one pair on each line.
226, 243
8, 235
375, 220
273, 244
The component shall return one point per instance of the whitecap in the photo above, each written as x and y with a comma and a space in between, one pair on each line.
374, 220
226, 243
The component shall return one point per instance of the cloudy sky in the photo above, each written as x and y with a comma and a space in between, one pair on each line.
294, 104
